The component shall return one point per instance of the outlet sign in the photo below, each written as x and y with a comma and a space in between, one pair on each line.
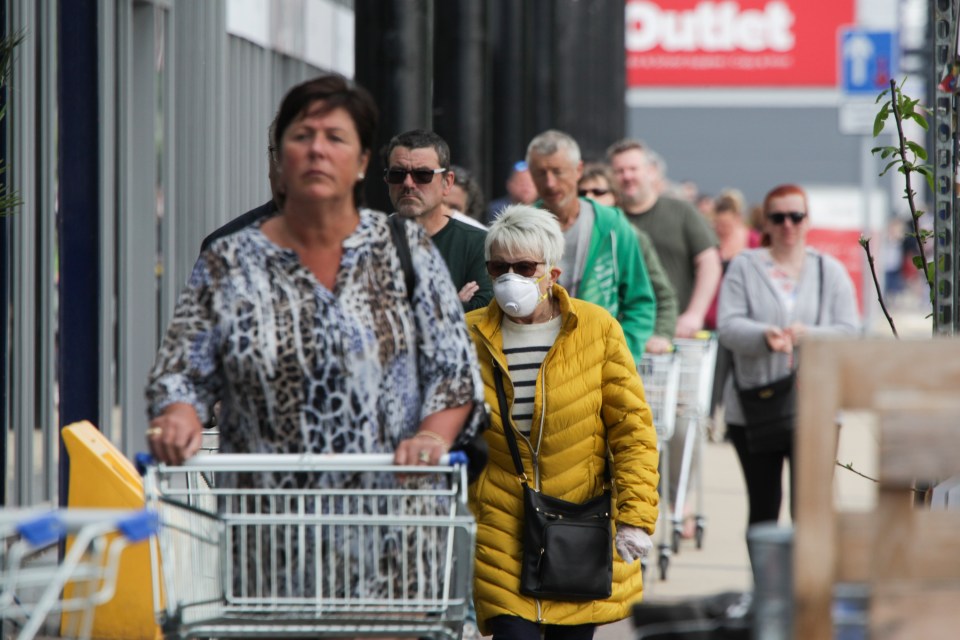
734, 43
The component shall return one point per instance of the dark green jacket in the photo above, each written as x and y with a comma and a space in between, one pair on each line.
615, 277
666, 323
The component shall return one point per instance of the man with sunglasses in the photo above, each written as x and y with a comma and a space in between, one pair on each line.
602, 262
418, 177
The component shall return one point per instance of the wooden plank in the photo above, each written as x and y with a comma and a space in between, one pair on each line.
868, 366
933, 552
855, 532
894, 522
904, 611
920, 439
815, 548
851, 374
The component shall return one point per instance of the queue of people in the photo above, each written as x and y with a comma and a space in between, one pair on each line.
299, 324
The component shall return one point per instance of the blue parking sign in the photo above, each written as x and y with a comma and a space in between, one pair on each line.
867, 60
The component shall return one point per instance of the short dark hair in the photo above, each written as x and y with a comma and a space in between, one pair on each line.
335, 91
419, 139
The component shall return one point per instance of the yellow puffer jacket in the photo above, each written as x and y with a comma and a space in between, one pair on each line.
588, 396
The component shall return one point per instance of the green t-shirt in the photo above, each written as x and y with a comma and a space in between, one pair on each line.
679, 233
461, 246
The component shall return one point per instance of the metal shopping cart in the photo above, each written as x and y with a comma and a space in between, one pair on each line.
36, 582
661, 383
698, 357
349, 546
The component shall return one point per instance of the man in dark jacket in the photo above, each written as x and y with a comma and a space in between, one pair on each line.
266, 210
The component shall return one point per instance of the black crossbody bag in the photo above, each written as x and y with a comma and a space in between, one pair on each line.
567, 547
770, 410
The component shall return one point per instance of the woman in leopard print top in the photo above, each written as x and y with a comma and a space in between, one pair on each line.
302, 326
303, 329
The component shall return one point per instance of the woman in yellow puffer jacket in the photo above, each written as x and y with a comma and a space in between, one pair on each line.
574, 393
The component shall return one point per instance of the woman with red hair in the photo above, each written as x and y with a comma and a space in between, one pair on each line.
771, 299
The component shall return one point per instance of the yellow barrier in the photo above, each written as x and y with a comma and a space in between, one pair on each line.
101, 477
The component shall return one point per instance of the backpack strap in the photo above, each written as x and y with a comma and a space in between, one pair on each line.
398, 231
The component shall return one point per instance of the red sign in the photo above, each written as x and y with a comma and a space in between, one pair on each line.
844, 245
747, 43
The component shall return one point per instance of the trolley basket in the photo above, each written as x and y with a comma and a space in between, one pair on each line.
33, 574
289, 545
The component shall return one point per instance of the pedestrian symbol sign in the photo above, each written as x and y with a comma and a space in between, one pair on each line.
866, 61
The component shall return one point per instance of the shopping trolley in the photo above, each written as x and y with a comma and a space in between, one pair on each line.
661, 382
33, 576
349, 546
698, 357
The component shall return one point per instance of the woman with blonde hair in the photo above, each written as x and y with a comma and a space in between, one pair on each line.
564, 393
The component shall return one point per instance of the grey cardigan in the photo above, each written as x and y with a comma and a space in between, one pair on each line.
742, 334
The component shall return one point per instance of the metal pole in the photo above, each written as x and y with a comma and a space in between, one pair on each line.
944, 15
79, 355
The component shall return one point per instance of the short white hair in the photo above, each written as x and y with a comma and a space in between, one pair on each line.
525, 229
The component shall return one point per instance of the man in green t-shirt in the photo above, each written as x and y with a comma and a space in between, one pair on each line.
685, 243
418, 177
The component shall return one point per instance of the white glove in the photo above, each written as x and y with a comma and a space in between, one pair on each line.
632, 543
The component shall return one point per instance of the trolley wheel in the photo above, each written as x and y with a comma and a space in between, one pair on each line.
664, 562
699, 536
675, 541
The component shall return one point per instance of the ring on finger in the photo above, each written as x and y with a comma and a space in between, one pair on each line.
154, 431
424, 456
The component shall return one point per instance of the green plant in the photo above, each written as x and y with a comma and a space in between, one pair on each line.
908, 158
8, 200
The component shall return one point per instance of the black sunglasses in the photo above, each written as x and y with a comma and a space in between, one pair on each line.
796, 217
594, 192
525, 268
420, 176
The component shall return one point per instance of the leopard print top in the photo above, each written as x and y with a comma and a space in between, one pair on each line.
300, 368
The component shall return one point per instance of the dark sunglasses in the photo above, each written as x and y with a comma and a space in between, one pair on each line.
796, 217
593, 192
420, 176
525, 268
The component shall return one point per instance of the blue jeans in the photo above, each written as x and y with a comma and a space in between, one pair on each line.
514, 628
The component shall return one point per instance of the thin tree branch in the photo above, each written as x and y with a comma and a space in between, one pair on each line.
865, 242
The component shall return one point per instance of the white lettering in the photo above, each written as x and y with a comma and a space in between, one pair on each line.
710, 26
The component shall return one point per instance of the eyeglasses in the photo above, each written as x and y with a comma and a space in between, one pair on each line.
594, 192
420, 176
796, 217
525, 268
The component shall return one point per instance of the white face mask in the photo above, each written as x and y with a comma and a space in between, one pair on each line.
516, 295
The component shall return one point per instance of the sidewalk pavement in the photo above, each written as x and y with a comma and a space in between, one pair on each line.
723, 564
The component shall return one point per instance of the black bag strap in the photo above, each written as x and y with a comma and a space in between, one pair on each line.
507, 424
399, 233
511, 436
820, 298
820, 306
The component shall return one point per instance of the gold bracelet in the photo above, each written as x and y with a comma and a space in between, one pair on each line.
433, 435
